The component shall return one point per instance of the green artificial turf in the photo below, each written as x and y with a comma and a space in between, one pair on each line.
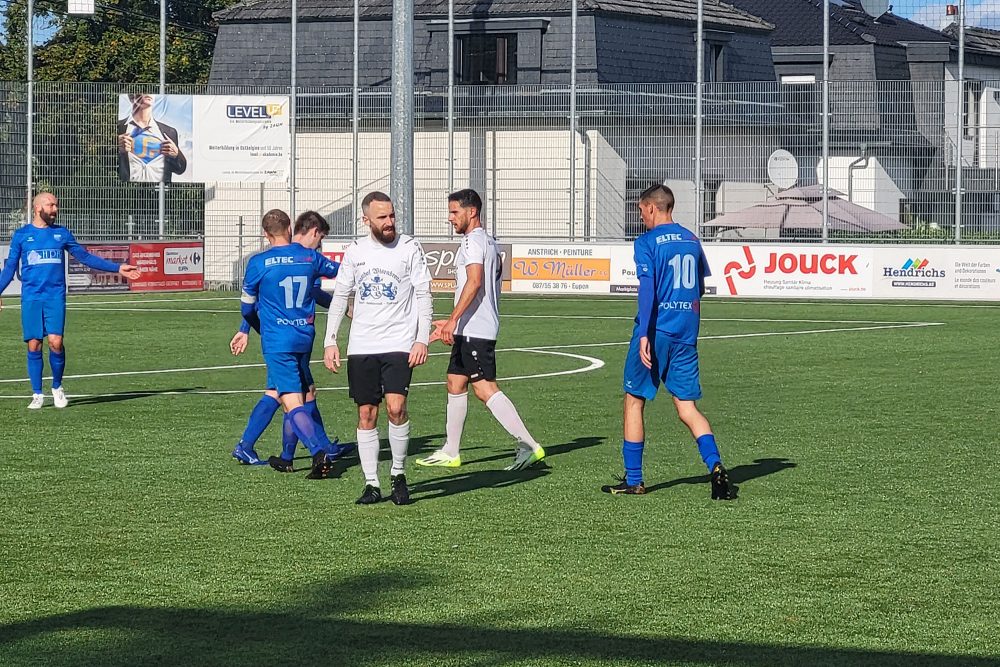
864, 532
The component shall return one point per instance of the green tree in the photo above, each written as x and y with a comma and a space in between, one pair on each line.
119, 43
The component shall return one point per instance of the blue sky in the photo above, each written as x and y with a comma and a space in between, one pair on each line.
982, 13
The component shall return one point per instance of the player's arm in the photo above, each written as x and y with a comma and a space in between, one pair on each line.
420, 278
647, 297
338, 307
10, 267
322, 298
248, 299
98, 263
703, 270
474, 279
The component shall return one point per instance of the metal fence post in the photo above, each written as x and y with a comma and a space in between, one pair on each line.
699, 129
960, 122
826, 121
572, 123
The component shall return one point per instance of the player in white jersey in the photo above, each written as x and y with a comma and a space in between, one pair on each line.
472, 333
388, 276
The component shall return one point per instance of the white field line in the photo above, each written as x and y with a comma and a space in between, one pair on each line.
592, 365
507, 315
544, 349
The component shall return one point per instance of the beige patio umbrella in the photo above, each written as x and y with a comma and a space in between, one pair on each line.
802, 208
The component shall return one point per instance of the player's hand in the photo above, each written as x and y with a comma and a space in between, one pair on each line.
331, 358
130, 272
125, 143
1, 304
447, 331
238, 344
418, 355
644, 354
436, 333
169, 148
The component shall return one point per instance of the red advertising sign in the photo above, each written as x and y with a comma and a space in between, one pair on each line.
82, 278
169, 266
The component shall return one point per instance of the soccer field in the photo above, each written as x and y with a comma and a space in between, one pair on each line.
862, 437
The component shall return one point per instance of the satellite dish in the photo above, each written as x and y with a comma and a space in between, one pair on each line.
876, 8
783, 169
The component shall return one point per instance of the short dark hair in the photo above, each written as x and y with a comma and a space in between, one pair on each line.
310, 220
467, 198
374, 196
275, 222
659, 196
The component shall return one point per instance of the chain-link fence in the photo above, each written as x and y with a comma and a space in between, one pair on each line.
892, 152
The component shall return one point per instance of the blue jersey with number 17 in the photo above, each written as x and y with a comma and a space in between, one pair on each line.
673, 257
279, 280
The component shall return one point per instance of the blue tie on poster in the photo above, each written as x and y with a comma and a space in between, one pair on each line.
145, 146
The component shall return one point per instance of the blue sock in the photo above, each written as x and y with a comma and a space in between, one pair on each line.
260, 417
632, 453
709, 452
57, 360
289, 441
313, 410
304, 426
35, 365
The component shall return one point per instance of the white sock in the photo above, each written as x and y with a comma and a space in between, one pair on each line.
458, 407
368, 446
506, 414
399, 443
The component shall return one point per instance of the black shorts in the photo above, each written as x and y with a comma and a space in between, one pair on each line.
372, 376
475, 358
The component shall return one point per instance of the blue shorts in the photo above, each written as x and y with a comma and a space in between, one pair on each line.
288, 372
674, 364
43, 318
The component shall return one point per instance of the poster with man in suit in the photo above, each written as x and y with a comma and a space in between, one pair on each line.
152, 134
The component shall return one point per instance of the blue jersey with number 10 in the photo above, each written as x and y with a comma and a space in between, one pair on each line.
280, 280
673, 257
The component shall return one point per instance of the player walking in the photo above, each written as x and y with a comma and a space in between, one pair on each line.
472, 333
277, 300
671, 268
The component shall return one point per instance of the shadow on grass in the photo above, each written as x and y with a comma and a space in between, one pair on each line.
449, 485
321, 628
738, 475
128, 396
421, 444
550, 450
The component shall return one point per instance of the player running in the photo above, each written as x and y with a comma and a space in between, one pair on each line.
472, 333
277, 300
393, 309
671, 268
263, 412
38, 252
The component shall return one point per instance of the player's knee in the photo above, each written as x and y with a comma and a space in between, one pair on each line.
398, 414
367, 417
484, 389
34, 345
55, 343
687, 410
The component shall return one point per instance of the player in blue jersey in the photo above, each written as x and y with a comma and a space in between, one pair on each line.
263, 412
671, 268
38, 254
277, 300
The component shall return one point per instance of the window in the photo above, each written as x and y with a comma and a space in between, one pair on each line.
715, 62
484, 58
970, 107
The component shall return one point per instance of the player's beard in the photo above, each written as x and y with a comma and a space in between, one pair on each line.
385, 235
47, 218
